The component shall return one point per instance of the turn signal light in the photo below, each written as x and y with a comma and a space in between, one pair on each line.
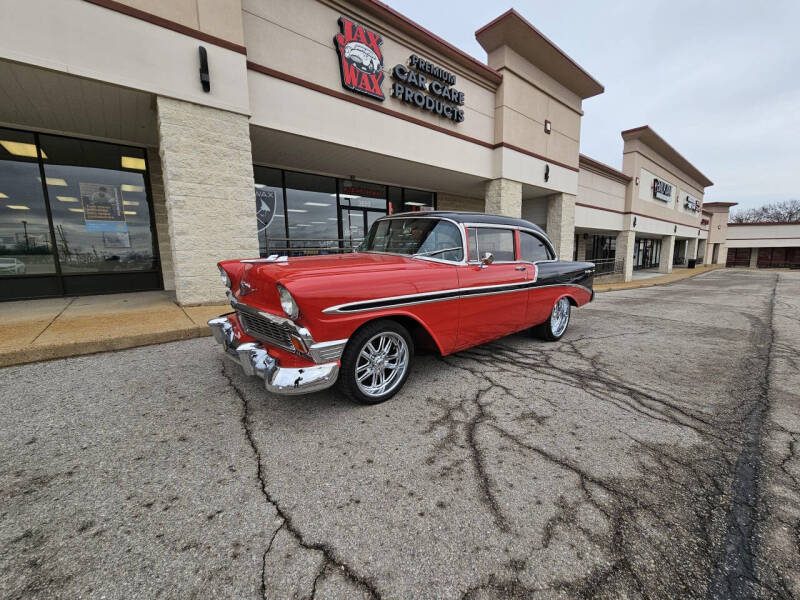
299, 345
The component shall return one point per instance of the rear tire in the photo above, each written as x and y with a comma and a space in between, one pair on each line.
376, 362
556, 325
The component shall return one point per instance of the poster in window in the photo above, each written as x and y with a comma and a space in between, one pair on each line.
116, 239
102, 208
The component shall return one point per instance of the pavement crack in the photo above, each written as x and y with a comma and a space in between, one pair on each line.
327, 551
735, 574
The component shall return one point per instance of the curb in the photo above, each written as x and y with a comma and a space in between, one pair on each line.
620, 286
69, 349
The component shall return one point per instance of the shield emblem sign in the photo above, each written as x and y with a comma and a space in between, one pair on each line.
265, 209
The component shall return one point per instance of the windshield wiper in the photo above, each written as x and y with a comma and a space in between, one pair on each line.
434, 252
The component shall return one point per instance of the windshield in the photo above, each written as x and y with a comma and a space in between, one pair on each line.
416, 237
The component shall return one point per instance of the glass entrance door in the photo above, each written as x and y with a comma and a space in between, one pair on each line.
356, 223
360, 204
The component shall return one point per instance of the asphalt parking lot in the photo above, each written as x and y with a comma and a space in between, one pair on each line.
652, 453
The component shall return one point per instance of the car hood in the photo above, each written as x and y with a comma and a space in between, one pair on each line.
329, 264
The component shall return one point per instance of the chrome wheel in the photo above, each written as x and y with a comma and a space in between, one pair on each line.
381, 364
559, 318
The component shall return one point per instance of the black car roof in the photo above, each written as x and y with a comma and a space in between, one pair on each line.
473, 217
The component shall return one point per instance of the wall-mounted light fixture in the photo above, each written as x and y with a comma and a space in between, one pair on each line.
547, 127
547, 172
205, 80
675, 230
637, 181
634, 221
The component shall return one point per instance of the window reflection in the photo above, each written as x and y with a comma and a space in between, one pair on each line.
101, 213
25, 244
315, 214
270, 211
361, 203
311, 212
416, 200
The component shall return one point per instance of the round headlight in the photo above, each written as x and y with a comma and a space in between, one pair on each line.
223, 276
288, 304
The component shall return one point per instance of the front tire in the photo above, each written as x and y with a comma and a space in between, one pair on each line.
376, 362
556, 325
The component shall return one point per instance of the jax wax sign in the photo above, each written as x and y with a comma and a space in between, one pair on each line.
429, 87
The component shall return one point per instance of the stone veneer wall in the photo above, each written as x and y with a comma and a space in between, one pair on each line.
462, 203
207, 168
561, 224
503, 197
160, 214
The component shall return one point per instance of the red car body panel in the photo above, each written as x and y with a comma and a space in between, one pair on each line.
319, 283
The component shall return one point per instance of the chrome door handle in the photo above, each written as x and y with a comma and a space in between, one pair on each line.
519, 268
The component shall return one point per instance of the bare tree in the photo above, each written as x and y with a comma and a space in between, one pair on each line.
787, 211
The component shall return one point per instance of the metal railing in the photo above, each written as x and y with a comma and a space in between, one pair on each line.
607, 266
309, 246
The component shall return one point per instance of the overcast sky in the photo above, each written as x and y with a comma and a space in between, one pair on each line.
718, 79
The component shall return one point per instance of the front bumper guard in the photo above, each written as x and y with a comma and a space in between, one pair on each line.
254, 360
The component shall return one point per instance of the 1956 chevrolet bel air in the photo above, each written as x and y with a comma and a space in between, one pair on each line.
442, 281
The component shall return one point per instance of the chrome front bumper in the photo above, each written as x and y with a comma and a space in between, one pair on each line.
254, 360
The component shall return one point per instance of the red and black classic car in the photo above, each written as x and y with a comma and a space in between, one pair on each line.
442, 281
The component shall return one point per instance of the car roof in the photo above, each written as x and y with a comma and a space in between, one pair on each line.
471, 217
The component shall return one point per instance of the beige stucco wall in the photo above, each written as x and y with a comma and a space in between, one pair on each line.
87, 40
642, 162
295, 37
220, 18
786, 235
527, 98
718, 227
600, 191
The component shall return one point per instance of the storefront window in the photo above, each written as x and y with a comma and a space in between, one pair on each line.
395, 200
360, 204
601, 247
270, 211
99, 205
415, 200
26, 246
311, 211
302, 213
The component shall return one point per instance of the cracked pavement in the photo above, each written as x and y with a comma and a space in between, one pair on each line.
653, 453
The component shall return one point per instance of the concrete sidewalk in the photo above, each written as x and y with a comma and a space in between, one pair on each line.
34, 330
37, 330
676, 275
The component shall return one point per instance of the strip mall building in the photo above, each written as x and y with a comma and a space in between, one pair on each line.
143, 141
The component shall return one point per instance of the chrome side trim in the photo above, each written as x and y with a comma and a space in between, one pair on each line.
409, 299
441, 296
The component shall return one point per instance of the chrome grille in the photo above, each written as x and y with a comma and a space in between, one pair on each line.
266, 330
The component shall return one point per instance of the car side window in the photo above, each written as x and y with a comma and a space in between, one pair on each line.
500, 242
532, 248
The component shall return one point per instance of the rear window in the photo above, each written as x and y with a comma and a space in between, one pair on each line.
532, 248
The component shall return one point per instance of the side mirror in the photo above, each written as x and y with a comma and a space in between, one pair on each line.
486, 259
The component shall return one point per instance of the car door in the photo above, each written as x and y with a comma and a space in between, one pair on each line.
533, 249
493, 296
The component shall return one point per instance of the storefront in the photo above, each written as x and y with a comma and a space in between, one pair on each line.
304, 213
75, 217
764, 245
129, 171
646, 254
